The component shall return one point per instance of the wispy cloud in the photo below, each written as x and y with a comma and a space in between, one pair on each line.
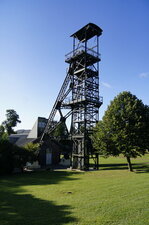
106, 85
144, 75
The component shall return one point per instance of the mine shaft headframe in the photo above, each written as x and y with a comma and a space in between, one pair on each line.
79, 94
88, 31
85, 101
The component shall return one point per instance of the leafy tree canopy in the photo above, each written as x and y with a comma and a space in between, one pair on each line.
2, 130
12, 118
60, 131
3, 134
33, 151
124, 128
12, 156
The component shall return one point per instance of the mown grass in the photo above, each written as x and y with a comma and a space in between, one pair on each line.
110, 196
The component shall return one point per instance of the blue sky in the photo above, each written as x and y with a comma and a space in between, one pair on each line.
34, 38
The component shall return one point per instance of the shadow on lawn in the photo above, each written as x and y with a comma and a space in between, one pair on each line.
137, 167
17, 208
113, 166
141, 168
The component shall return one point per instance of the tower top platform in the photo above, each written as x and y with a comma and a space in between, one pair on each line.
87, 32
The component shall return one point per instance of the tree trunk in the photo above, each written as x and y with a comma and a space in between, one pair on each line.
129, 164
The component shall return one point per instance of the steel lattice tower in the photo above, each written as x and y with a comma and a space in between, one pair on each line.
82, 86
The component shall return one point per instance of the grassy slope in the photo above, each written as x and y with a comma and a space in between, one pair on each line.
106, 197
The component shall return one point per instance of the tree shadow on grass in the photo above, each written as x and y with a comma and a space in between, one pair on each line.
19, 208
137, 167
112, 166
141, 167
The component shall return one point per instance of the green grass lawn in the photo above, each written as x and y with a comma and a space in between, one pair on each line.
110, 196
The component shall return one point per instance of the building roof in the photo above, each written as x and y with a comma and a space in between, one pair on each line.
22, 131
87, 32
23, 141
22, 137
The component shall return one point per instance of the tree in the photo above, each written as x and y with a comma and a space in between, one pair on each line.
6, 157
32, 150
124, 128
11, 121
61, 131
3, 134
2, 130
12, 156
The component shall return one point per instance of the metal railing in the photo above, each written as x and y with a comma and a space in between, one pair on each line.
80, 50
80, 98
